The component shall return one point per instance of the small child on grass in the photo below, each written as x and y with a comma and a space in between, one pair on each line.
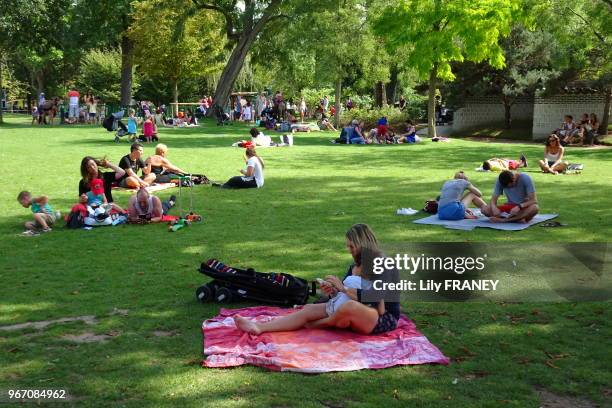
44, 217
132, 125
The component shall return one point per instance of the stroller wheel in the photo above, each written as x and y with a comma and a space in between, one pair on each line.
223, 295
204, 293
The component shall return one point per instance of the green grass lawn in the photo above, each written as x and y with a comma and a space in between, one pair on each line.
503, 354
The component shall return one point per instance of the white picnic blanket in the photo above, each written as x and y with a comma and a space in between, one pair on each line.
483, 222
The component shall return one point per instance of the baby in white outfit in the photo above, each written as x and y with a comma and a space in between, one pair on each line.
351, 281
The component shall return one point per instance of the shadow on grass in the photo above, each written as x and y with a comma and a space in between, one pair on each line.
508, 344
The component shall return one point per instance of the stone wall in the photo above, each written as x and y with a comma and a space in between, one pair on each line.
545, 112
548, 112
487, 110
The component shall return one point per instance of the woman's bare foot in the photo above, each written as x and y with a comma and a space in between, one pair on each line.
246, 325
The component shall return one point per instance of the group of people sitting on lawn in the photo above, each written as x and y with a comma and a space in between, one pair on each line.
521, 204
582, 133
383, 133
519, 189
552, 163
355, 133
96, 206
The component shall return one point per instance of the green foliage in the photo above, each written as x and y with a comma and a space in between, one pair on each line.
444, 31
193, 50
100, 74
15, 89
35, 36
314, 96
416, 105
370, 116
322, 42
362, 101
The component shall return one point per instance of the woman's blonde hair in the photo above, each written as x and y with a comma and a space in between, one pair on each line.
362, 236
250, 152
160, 149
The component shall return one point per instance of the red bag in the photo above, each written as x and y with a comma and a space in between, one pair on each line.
431, 207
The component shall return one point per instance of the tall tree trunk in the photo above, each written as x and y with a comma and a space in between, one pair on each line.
603, 127
40, 83
392, 85
2, 94
507, 112
337, 102
431, 105
175, 108
127, 47
232, 69
381, 94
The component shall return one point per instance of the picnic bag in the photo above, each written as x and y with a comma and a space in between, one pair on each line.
431, 207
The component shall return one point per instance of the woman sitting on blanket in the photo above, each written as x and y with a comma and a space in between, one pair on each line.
90, 170
349, 313
453, 205
161, 166
553, 156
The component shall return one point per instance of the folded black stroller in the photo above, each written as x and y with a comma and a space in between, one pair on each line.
234, 284
113, 123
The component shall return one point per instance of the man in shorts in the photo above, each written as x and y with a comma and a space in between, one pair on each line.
132, 163
73, 105
521, 204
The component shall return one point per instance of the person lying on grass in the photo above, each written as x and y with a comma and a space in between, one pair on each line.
522, 204
144, 208
44, 217
259, 139
351, 313
496, 164
553, 156
453, 205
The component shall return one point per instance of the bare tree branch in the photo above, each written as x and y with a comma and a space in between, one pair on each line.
230, 23
585, 21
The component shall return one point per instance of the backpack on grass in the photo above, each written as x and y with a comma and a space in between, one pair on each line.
75, 220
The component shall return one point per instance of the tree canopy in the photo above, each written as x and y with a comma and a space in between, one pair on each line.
371, 50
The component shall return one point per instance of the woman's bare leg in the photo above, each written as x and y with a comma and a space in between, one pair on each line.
470, 198
321, 323
560, 167
290, 322
356, 316
544, 166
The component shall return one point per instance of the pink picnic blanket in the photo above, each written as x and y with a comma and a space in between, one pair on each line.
312, 350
